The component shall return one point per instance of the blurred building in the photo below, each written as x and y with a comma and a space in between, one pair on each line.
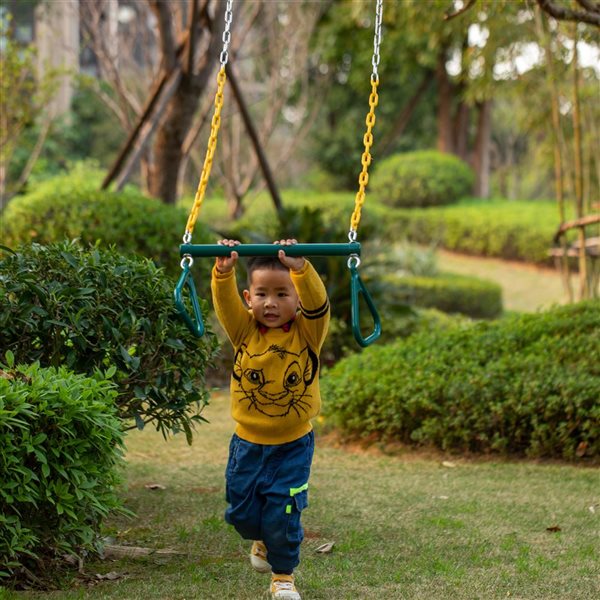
55, 29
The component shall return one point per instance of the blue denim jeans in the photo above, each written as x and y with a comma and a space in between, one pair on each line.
267, 490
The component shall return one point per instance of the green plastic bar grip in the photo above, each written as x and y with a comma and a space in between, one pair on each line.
208, 250
195, 323
357, 287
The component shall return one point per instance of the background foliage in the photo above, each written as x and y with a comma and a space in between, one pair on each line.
71, 206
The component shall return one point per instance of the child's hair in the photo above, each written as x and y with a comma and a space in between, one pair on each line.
263, 262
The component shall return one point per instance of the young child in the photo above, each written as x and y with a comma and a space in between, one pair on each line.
274, 395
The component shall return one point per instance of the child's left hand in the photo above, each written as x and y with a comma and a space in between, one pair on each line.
295, 263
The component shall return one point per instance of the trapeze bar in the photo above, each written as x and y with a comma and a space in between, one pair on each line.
207, 250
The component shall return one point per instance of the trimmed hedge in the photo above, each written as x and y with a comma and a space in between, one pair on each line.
69, 207
423, 178
449, 293
524, 385
60, 446
513, 230
510, 230
93, 309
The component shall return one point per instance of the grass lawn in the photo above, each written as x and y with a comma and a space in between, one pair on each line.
525, 287
404, 526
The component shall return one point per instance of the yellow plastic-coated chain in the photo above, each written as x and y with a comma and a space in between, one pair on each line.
210, 152
363, 178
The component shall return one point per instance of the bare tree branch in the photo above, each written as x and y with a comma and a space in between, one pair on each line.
94, 28
262, 159
149, 112
33, 156
590, 6
164, 15
464, 9
562, 13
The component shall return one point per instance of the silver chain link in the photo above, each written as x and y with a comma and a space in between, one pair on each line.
377, 39
227, 33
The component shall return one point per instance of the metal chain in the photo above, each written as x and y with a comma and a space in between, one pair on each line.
377, 39
366, 158
227, 33
208, 158
214, 130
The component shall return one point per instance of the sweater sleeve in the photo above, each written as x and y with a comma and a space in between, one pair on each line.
229, 308
314, 304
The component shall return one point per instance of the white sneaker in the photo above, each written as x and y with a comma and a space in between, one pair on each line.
258, 557
283, 588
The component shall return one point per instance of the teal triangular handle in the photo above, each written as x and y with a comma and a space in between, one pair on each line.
358, 287
195, 324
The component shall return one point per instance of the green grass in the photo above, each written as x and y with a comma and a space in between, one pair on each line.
404, 526
525, 288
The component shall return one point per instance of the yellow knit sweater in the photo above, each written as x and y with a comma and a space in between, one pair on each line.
275, 376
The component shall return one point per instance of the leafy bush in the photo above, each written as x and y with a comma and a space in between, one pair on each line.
509, 230
72, 206
528, 385
449, 293
89, 309
423, 178
60, 445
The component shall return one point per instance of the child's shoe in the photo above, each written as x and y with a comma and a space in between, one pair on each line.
283, 588
258, 558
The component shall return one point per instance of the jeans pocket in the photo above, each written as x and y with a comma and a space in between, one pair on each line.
232, 460
294, 531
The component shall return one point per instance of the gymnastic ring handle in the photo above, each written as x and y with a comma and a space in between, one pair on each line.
194, 322
357, 288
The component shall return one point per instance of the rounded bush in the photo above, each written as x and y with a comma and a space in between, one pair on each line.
527, 384
423, 178
60, 446
94, 308
72, 206
450, 293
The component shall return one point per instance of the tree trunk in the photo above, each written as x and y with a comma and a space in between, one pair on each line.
481, 155
563, 261
583, 275
399, 125
444, 109
461, 131
179, 114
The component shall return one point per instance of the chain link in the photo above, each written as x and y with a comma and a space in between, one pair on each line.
227, 33
208, 158
377, 40
214, 129
366, 158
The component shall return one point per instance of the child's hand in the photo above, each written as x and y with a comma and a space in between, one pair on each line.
226, 263
291, 262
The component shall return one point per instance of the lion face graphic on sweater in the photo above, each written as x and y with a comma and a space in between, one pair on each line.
275, 381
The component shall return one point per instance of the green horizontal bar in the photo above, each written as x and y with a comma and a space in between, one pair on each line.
207, 250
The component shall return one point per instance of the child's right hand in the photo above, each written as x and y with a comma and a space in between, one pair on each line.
226, 263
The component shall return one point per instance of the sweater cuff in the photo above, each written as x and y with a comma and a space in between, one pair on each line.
222, 276
301, 271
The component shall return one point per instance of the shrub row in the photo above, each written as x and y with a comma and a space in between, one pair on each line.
449, 293
509, 230
527, 385
60, 446
69, 207
94, 308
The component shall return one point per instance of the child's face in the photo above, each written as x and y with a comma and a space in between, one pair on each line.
272, 297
